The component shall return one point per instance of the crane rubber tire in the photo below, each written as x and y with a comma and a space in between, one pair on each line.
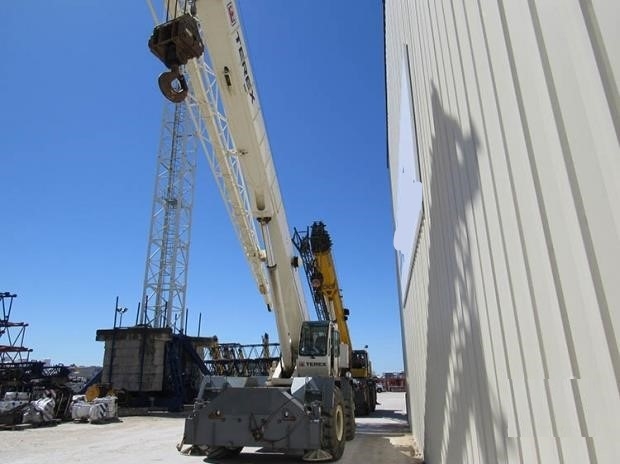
333, 427
363, 408
373, 398
349, 415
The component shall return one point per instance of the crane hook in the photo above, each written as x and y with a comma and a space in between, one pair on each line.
175, 42
167, 87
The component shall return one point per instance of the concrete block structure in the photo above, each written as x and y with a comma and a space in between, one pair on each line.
153, 366
134, 358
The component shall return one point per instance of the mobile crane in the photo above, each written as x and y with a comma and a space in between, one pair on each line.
315, 249
304, 406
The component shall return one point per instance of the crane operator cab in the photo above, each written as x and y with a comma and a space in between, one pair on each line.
319, 349
360, 364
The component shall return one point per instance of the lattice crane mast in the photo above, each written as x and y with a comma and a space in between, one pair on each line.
165, 277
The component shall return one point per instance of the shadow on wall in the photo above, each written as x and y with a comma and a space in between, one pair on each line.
460, 411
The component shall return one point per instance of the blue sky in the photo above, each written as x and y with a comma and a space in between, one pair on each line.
80, 124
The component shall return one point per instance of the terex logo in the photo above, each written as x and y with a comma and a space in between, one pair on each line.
231, 14
312, 364
249, 88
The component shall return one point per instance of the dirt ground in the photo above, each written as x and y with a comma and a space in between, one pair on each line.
382, 438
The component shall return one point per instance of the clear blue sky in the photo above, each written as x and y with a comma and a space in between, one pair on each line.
80, 124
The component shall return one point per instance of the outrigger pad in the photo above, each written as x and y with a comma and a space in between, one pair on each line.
317, 455
177, 41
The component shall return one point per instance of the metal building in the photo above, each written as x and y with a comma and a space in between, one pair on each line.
503, 136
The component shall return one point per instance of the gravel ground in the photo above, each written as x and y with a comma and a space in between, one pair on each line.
382, 438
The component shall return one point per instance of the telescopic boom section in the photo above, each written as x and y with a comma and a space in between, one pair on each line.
327, 281
225, 44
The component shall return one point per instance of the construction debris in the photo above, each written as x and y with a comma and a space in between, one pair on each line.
33, 392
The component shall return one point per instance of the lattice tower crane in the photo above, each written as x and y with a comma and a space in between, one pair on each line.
167, 261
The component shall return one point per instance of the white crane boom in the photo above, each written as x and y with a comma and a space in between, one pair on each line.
309, 408
223, 34
223, 92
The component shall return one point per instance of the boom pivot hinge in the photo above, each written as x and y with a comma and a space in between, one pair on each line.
175, 42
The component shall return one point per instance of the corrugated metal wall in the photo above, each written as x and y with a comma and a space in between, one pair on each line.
512, 312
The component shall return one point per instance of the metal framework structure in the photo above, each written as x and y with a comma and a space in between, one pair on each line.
301, 240
234, 359
12, 349
165, 278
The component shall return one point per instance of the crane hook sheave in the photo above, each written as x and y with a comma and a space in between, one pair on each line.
175, 42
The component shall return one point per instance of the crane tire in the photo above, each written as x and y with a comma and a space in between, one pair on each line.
349, 415
373, 399
333, 427
363, 409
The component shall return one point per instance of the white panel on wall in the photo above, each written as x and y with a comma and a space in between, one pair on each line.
408, 196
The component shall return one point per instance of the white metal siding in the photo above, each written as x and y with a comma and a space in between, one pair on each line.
512, 313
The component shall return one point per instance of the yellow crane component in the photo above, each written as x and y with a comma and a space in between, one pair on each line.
304, 405
326, 280
315, 248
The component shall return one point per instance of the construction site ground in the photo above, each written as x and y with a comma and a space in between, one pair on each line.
382, 437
